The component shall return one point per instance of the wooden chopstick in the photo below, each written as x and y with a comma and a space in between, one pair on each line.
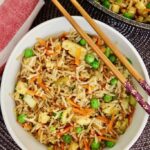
125, 82
113, 47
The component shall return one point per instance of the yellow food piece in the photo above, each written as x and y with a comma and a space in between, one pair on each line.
83, 120
29, 100
21, 87
115, 8
73, 146
73, 47
43, 118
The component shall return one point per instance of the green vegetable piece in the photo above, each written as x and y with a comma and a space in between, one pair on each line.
107, 98
95, 103
79, 130
110, 144
95, 64
119, 1
95, 145
106, 4
89, 58
129, 60
112, 58
132, 101
52, 128
21, 118
148, 5
128, 15
67, 138
113, 81
107, 51
28, 53
82, 42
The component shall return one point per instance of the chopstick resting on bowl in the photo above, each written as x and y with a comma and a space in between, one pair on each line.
117, 73
113, 47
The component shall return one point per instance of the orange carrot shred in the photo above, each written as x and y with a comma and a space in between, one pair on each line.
86, 145
106, 139
110, 125
41, 41
73, 103
67, 129
103, 119
77, 58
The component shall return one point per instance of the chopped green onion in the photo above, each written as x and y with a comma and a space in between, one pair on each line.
21, 118
95, 145
82, 42
28, 53
132, 101
113, 81
107, 98
110, 144
95, 64
129, 60
79, 130
148, 5
67, 138
112, 58
89, 58
107, 51
106, 3
95, 103
128, 15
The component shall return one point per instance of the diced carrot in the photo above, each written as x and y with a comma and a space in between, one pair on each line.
67, 129
77, 58
103, 119
41, 41
106, 138
73, 103
86, 145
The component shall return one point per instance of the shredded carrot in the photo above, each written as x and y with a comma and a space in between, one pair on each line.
41, 84
103, 119
32, 79
77, 58
106, 139
48, 53
73, 103
67, 129
103, 131
62, 146
83, 111
41, 41
110, 125
148, 9
102, 49
30, 92
86, 145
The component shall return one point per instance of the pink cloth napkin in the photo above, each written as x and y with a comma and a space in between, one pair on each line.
16, 17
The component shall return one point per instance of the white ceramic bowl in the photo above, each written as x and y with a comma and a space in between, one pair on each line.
55, 26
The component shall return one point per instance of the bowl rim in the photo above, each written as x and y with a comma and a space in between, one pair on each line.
6, 119
119, 17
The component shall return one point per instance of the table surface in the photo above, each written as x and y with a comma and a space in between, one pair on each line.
140, 38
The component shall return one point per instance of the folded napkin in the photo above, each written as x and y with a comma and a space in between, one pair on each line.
16, 17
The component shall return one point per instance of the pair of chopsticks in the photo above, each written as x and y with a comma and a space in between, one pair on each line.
115, 50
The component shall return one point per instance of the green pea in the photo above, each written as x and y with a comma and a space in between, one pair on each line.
28, 53
95, 64
67, 138
132, 101
112, 58
89, 58
148, 5
79, 130
107, 51
110, 144
95, 103
129, 60
113, 81
128, 15
82, 42
106, 3
95, 145
107, 98
21, 118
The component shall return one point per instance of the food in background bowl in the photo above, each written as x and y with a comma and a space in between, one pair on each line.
138, 10
67, 98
